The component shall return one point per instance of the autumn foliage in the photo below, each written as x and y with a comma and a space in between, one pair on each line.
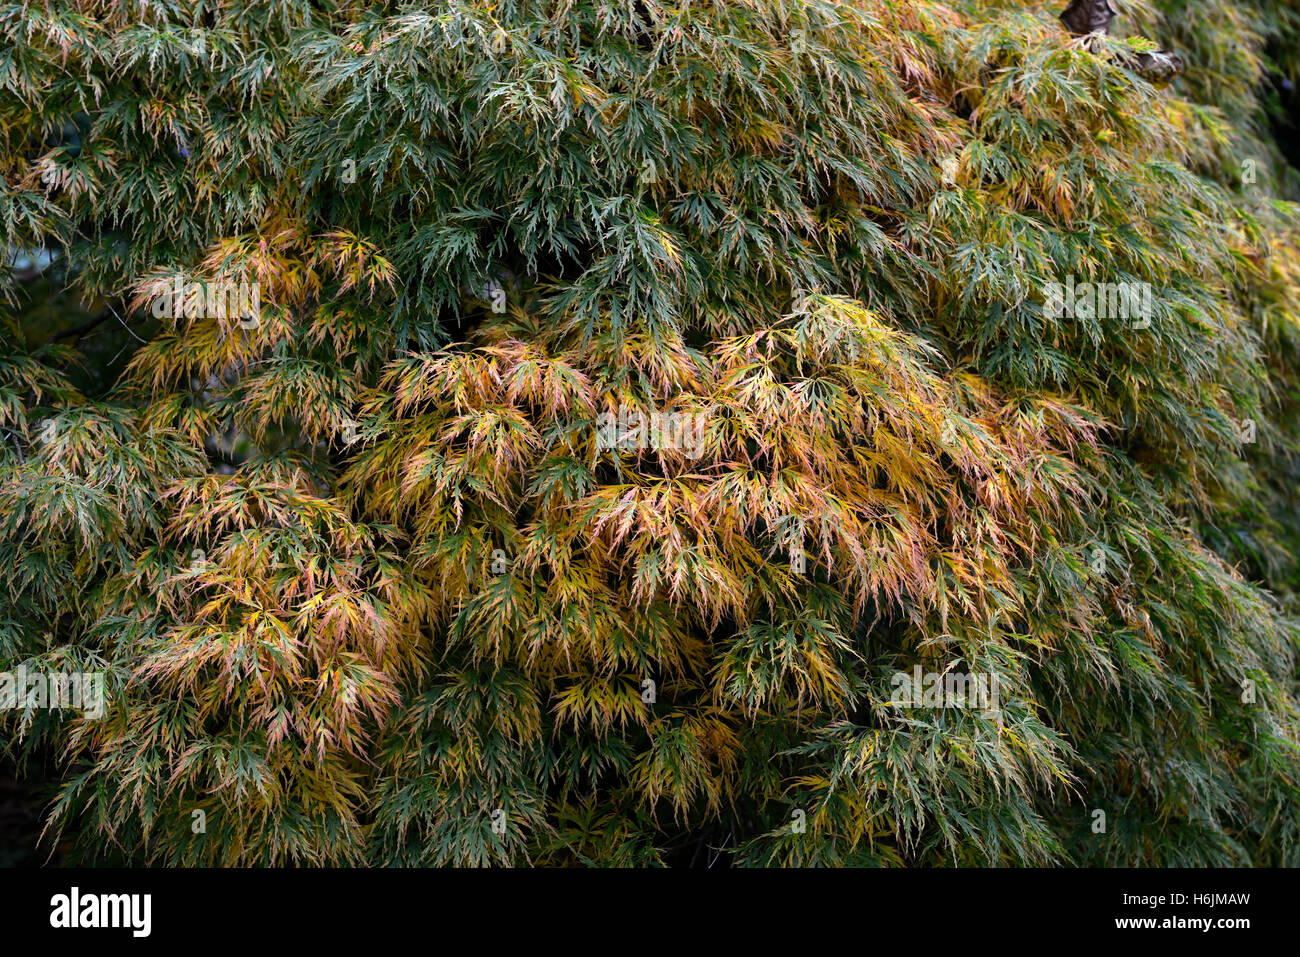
369, 588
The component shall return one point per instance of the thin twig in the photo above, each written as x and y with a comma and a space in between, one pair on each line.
720, 850
127, 328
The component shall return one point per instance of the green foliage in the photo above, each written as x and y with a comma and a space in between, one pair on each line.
369, 585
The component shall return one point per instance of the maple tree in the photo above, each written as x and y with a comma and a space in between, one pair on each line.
370, 583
